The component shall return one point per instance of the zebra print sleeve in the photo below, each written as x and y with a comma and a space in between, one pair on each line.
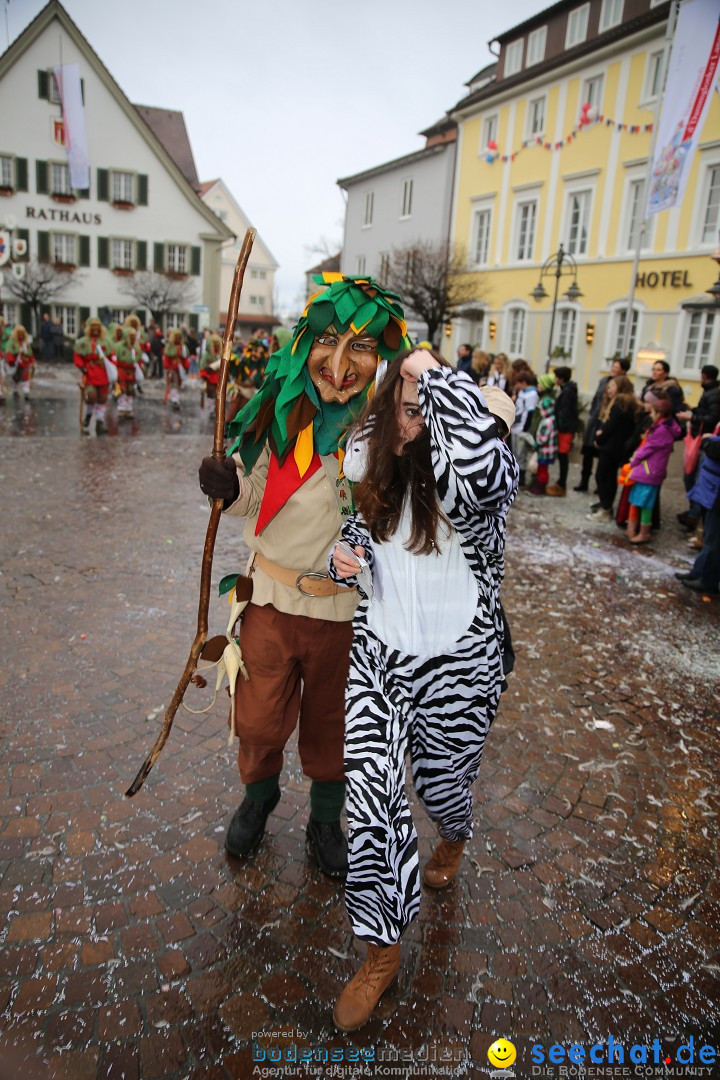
476, 473
354, 531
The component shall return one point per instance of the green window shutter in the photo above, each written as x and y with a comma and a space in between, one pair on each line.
141, 255
103, 185
159, 258
43, 240
142, 315
82, 90
21, 174
84, 251
193, 319
84, 316
43, 84
142, 190
195, 260
103, 252
83, 193
41, 177
24, 234
26, 315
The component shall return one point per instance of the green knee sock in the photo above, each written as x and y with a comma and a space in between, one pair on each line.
326, 799
262, 790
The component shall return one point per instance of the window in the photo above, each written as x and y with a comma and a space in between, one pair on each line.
360, 265
578, 222
536, 46
577, 26
53, 89
122, 254
174, 320
711, 220
566, 329
60, 176
653, 75
410, 260
68, 316
490, 130
118, 315
6, 172
592, 92
123, 187
635, 214
384, 271
369, 204
610, 14
697, 347
177, 260
481, 236
526, 217
620, 333
258, 275
407, 196
513, 58
9, 313
64, 249
536, 116
517, 330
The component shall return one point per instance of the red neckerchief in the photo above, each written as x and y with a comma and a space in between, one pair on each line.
282, 482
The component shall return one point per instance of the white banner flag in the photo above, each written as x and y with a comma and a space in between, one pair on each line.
692, 72
68, 81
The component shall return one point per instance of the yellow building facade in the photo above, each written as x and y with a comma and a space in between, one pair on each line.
554, 150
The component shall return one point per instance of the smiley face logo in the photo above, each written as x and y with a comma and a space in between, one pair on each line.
502, 1054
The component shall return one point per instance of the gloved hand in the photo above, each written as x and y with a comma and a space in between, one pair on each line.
219, 479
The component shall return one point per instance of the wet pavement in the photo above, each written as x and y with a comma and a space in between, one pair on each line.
589, 901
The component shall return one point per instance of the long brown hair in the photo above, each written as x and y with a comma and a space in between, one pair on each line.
391, 477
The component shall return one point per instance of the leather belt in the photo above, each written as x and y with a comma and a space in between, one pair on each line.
319, 582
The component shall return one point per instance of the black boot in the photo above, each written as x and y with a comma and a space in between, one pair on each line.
100, 428
327, 842
248, 826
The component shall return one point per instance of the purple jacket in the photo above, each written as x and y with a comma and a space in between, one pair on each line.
650, 461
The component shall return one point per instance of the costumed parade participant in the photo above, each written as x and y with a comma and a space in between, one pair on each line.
248, 372
128, 355
210, 370
98, 373
433, 483
20, 360
4, 340
284, 476
142, 338
176, 361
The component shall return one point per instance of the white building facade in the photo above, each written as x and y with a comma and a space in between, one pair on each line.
257, 302
398, 204
139, 213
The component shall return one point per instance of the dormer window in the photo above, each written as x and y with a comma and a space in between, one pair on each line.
513, 58
536, 46
577, 26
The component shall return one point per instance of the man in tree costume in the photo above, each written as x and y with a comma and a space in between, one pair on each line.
296, 631
175, 357
247, 372
210, 369
90, 354
21, 360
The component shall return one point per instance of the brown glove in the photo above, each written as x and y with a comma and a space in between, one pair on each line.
219, 479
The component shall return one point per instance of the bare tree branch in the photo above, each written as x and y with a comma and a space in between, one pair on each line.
41, 284
433, 280
160, 293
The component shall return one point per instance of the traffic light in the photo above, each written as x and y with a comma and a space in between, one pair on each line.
589, 333
491, 330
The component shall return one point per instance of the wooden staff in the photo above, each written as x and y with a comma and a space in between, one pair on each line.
206, 571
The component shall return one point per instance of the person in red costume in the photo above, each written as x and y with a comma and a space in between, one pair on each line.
210, 368
176, 361
20, 359
91, 356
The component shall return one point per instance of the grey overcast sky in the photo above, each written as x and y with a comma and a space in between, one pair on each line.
282, 97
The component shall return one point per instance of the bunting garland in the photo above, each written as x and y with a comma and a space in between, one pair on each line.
492, 151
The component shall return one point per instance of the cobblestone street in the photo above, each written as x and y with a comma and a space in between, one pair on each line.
132, 946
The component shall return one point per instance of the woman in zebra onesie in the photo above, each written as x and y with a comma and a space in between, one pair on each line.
434, 482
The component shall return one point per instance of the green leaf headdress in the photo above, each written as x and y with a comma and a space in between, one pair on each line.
287, 411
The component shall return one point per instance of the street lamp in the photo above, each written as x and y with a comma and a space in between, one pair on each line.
557, 265
714, 290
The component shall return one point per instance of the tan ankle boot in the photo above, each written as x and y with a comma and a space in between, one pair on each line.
633, 524
357, 1001
643, 536
443, 864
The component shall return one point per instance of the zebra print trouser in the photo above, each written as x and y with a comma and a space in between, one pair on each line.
439, 708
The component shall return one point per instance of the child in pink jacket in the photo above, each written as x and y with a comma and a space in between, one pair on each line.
648, 465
